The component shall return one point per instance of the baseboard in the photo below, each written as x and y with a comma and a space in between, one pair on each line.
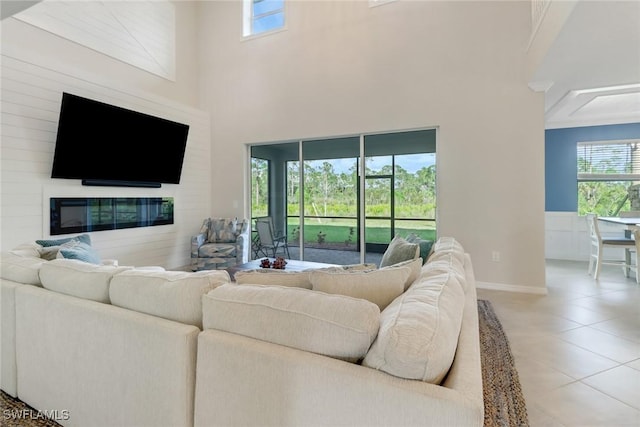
511, 288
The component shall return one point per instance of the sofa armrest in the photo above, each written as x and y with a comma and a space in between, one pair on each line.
244, 381
243, 244
197, 241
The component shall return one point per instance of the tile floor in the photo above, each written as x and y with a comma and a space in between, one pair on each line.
577, 349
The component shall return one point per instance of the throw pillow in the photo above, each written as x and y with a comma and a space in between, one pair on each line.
84, 238
31, 250
49, 253
415, 266
399, 250
425, 245
350, 267
80, 251
378, 286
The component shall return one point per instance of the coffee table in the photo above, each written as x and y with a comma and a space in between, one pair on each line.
292, 265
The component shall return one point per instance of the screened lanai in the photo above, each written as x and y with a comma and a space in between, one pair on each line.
352, 195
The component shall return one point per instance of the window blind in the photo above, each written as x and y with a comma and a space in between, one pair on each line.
609, 160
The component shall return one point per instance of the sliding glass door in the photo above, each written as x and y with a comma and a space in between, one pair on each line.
331, 208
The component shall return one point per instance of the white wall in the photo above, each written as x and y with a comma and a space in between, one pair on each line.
343, 68
36, 68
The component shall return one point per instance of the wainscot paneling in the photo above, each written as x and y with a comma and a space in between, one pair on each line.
30, 101
567, 237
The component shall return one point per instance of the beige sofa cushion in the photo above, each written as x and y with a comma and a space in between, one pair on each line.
298, 279
419, 331
21, 269
79, 279
378, 286
173, 295
332, 325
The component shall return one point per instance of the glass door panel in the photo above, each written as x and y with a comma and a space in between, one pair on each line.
330, 200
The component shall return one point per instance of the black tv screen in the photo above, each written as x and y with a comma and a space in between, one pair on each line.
103, 144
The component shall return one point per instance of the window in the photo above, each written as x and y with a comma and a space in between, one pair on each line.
374, 3
259, 187
606, 170
261, 16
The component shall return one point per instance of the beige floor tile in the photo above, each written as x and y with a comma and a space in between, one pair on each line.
584, 316
565, 343
635, 364
603, 344
537, 378
564, 357
627, 327
578, 404
539, 418
622, 383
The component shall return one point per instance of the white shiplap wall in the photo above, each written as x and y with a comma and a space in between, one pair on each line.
140, 33
30, 105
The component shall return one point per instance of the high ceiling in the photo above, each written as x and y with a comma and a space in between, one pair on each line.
593, 66
592, 71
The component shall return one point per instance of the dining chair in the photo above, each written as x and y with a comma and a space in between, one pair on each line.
598, 243
634, 266
269, 242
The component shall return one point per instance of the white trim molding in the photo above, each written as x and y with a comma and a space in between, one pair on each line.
512, 288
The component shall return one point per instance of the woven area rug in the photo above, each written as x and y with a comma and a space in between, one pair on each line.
504, 404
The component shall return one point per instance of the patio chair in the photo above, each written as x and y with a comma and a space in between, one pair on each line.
269, 242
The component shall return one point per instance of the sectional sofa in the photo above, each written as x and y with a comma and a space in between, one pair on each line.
114, 346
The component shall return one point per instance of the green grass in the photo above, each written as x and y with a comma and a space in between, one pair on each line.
339, 233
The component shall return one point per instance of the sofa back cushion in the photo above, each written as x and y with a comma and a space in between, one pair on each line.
378, 286
21, 269
79, 279
298, 279
332, 325
173, 295
419, 331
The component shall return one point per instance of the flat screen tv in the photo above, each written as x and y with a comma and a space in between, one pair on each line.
103, 144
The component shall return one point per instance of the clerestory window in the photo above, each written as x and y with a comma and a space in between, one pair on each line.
606, 170
263, 16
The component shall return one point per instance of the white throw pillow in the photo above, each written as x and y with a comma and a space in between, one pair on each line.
31, 250
332, 325
79, 279
378, 286
414, 266
298, 279
419, 331
173, 295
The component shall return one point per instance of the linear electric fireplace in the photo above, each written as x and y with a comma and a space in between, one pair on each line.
76, 215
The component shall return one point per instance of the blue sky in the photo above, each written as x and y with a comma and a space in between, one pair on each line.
410, 162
